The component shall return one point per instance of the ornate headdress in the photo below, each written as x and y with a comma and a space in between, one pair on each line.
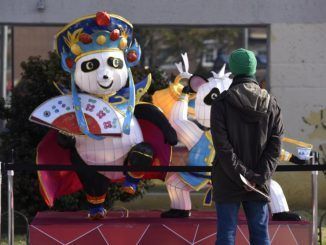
93, 34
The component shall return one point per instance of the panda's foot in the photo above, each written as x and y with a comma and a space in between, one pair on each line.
97, 213
286, 216
176, 213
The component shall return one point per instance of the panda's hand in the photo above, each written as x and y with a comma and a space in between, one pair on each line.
171, 140
186, 90
66, 141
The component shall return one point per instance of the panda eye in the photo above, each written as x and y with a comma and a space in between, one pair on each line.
214, 96
115, 62
211, 96
90, 65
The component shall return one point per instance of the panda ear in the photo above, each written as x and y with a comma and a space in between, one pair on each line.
212, 95
133, 54
196, 81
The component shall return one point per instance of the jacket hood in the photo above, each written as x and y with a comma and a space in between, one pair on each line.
246, 96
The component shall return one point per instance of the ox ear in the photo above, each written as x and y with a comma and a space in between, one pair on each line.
196, 81
133, 54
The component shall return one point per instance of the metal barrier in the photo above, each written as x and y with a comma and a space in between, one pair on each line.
320, 227
26, 224
314, 167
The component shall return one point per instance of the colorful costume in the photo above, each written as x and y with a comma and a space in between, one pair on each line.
106, 124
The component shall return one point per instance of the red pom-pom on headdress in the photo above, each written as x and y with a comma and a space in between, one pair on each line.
69, 63
132, 56
85, 38
115, 34
102, 18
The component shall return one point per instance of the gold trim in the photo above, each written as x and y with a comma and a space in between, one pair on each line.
128, 189
209, 161
135, 175
141, 153
197, 187
143, 90
96, 199
57, 87
46, 195
66, 27
104, 97
184, 98
148, 103
50, 126
211, 156
206, 193
176, 88
297, 142
66, 133
285, 155
191, 111
96, 51
114, 105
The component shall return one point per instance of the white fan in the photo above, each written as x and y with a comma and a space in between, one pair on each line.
58, 113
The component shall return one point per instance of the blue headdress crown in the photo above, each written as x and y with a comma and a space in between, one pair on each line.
94, 34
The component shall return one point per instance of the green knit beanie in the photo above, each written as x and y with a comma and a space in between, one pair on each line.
242, 62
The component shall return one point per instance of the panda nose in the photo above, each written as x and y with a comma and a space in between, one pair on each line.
105, 77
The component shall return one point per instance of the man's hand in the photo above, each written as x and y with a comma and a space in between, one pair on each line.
251, 184
257, 179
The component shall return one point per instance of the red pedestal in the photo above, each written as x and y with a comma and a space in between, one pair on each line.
145, 227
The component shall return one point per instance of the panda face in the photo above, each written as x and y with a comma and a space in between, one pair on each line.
101, 73
203, 110
206, 94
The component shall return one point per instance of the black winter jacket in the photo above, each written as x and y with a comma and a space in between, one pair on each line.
246, 127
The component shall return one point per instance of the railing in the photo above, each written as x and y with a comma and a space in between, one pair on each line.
314, 167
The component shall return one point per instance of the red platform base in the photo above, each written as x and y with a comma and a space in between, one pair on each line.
145, 227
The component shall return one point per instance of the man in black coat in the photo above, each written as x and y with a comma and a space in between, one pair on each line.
247, 128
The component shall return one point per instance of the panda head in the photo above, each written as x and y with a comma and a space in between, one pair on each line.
207, 90
101, 73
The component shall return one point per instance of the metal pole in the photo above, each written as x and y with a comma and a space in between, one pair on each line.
0, 198
314, 181
245, 37
4, 61
11, 226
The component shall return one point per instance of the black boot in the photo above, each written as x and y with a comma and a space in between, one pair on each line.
286, 216
139, 155
176, 213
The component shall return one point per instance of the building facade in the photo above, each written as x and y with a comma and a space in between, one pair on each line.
296, 46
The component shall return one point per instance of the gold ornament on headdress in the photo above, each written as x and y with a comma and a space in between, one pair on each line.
123, 43
72, 39
124, 33
101, 39
124, 38
75, 49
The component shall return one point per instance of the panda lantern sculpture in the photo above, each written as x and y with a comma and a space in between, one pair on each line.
104, 125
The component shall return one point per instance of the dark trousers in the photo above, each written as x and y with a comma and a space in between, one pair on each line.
257, 218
